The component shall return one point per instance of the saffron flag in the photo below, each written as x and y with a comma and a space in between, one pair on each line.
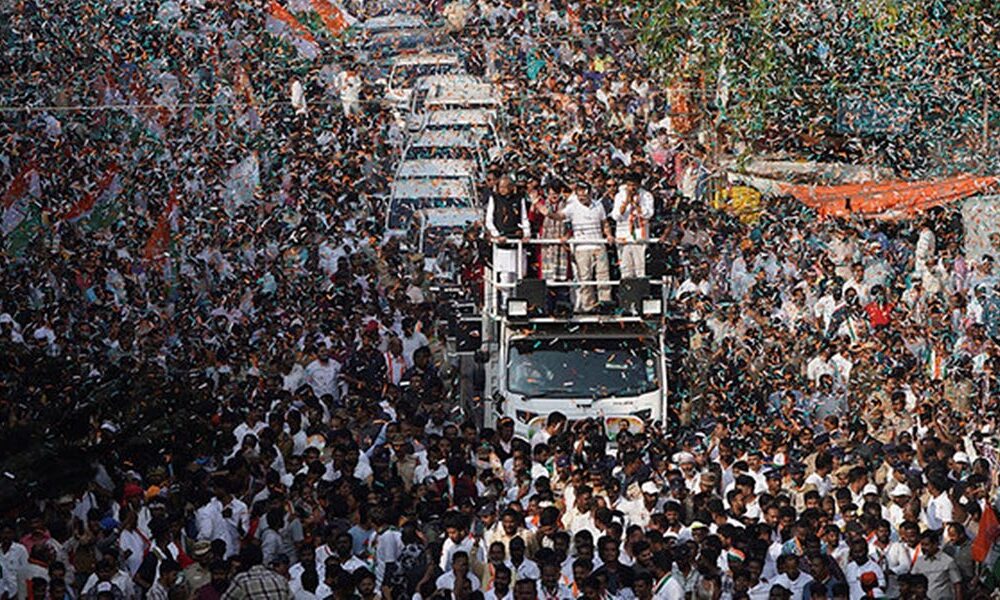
989, 528
283, 24
159, 239
106, 191
334, 17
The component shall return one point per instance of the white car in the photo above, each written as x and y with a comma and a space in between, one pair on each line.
437, 168
407, 69
448, 144
437, 233
433, 85
480, 95
489, 124
407, 196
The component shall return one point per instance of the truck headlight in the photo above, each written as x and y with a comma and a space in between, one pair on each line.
517, 307
525, 416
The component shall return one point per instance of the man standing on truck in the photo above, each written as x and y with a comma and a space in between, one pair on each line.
590, 223
506, 219
632, 211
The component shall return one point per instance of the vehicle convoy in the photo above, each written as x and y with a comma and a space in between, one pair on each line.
448, 92
407, 196
437, 168
407, 69
538, 359
485, 122
448, 145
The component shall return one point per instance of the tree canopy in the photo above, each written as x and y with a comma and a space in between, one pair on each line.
907, 83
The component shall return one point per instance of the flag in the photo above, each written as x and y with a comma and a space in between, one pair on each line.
107, 190
21, 216
334, 17
146, 110
989, 529
159, 239
283, 24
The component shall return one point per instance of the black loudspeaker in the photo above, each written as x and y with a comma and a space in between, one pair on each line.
532, 290
656, 261
468, 334
631, 292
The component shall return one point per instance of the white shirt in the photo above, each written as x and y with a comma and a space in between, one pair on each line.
12, 562
796, 587
447, 582
133, 540
671, 589
121, 579
291, 381
939, 511
853, 574
242, 430
817, 367
624, 214
322, 378
387, 547
449, 548
822, 484
212, 525
587, 221
528, 569
411, 343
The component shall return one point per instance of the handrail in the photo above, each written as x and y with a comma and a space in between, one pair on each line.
578, 283
572, 242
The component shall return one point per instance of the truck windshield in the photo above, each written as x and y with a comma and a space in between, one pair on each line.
582, 368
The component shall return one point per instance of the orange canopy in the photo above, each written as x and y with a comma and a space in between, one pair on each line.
886, 200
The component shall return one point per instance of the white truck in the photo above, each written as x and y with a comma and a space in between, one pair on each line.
610, 368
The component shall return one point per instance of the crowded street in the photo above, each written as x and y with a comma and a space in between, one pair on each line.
495, 299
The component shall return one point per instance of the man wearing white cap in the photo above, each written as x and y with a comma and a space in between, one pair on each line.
896, 512
638, 510
958, 464
870, 493
686, 462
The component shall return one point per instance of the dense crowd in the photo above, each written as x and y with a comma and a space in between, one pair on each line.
218, 381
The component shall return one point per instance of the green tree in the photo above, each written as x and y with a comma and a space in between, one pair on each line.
912, 83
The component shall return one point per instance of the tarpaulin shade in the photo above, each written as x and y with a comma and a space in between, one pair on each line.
886, 200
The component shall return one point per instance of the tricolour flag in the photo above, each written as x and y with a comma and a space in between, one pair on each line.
106, 191
283, 24
21, 215
17, 198
335, 18
989, 529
